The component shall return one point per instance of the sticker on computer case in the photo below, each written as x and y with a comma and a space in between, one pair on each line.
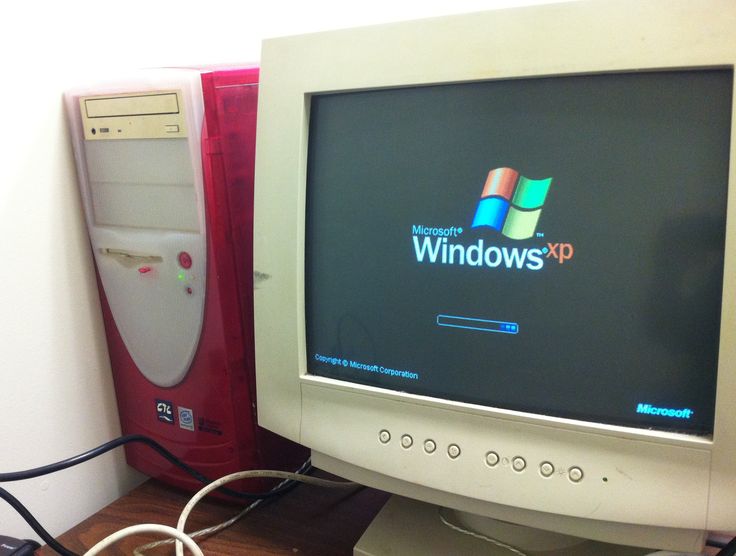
209, 425
164, 411
186, 418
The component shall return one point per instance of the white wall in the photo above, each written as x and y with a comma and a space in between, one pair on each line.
56, 394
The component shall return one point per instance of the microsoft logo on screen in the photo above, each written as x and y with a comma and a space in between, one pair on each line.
511, 203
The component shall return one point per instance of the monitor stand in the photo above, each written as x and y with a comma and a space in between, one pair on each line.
413, 528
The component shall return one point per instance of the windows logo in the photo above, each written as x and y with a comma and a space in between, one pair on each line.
511, 203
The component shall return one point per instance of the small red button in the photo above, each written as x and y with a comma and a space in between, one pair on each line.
185, 260
144, 269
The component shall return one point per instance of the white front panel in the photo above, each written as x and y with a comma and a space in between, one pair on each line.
158, 311
142, 183
142, 188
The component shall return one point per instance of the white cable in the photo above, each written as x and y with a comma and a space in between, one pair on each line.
206, 532
520, 553
250, 475
473, 534
139, 550
146, 528
668, 553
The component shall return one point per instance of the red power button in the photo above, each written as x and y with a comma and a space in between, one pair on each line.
185, 260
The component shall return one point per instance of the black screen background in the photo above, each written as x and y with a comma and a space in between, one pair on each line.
640, 170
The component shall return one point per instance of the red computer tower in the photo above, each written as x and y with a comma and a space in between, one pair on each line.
166, 167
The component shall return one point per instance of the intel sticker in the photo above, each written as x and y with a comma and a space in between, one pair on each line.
186, 418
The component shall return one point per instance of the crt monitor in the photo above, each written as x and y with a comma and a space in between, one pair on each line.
496, 263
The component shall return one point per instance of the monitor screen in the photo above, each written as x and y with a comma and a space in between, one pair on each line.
548, 245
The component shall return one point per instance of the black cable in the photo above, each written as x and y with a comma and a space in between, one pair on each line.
729, 549
35, 525
713, 543
102, 449
139, 438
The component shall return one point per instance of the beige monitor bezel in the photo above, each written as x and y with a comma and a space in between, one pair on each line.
569, 39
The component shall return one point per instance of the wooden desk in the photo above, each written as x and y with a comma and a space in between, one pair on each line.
308, 521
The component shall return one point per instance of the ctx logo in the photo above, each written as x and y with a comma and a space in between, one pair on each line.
164, 411
560, 251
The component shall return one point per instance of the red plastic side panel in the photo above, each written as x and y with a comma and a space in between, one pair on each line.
231, 97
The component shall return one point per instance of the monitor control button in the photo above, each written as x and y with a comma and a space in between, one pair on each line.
518, 464
492, 459
453, 450
407, 441
430, 446
575, 474
384, 436
546, 469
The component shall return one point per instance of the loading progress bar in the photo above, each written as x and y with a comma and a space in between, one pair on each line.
484, 325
